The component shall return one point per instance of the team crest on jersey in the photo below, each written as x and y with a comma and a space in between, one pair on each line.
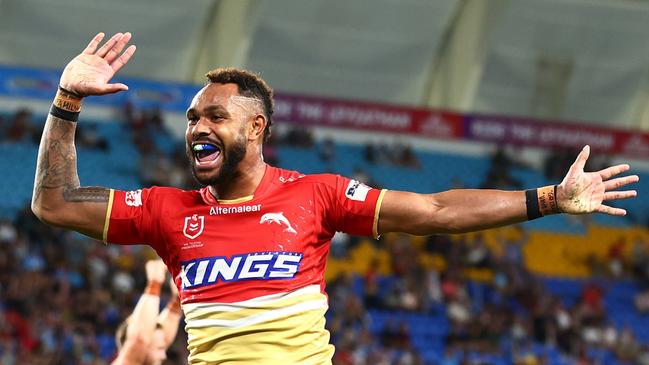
194, 226
133, 198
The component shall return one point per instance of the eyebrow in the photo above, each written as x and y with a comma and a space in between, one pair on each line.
209, 109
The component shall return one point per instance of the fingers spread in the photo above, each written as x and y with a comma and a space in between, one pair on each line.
114, 88
617, 195
609, 172
620, 181
92, 46
610, 210
118, 47
123, 59
580, 162
108, 45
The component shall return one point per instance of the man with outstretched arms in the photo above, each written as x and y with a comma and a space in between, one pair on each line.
248, 250
144, 337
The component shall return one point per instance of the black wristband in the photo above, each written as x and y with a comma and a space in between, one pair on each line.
64, 114
532, 203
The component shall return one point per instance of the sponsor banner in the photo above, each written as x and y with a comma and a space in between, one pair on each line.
529, 132
632, 144
372, 117
367, 116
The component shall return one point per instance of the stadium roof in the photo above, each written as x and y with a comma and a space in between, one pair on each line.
578, 60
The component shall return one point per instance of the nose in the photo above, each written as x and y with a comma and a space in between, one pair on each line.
201, 128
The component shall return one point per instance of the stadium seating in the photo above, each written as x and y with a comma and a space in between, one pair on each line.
556, 248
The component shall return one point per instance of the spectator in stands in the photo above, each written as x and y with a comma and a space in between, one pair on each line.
90, 138
615, 258
627, 348
327, 150
591, 307
556, 161
4, 125
370, 153
21, 128
499, 173
407, 157
372, 298
639, 260
513, 248
143, 338
56, 304
270, 151
299, 137
477, 253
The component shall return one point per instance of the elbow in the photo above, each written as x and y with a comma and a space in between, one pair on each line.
45, 214
38, 210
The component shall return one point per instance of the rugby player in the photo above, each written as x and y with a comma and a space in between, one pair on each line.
248, 250
144, 337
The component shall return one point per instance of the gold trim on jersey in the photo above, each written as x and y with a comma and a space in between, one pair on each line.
377, 210
109, 209
286, 328
236, 201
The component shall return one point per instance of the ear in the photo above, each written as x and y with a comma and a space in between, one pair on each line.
256, 127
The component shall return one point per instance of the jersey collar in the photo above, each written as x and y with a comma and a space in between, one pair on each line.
263, 186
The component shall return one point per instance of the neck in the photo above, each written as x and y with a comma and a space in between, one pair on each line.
244, 182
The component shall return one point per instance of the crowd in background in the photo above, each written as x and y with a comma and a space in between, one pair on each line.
62, 295
514, 310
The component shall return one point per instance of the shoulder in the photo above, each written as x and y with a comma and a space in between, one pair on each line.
159, 194
295, 178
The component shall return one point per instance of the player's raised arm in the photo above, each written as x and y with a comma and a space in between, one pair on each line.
58, 198
169, 318
465, 210
137, 342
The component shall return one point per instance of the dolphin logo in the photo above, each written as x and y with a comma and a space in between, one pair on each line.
279, 219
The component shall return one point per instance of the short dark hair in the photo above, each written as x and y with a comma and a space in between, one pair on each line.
251, 85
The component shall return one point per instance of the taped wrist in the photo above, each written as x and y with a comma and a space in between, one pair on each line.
541, 202
174, 305
66, 105
153, 288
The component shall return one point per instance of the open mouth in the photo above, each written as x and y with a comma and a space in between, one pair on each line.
205, 153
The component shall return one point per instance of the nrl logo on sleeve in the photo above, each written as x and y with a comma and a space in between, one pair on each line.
133, 198
194, 226
357, 191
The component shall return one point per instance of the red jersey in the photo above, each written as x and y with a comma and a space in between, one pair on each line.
250, 271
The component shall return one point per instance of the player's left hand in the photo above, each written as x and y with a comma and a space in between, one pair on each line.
585, 192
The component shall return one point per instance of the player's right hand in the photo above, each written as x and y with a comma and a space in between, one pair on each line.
156, 271
89, 72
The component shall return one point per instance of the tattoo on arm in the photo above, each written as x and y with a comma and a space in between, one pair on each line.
57, 165
87, 194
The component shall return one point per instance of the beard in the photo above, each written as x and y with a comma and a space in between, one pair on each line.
232, 156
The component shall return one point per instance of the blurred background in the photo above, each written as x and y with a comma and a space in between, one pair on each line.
420, 95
